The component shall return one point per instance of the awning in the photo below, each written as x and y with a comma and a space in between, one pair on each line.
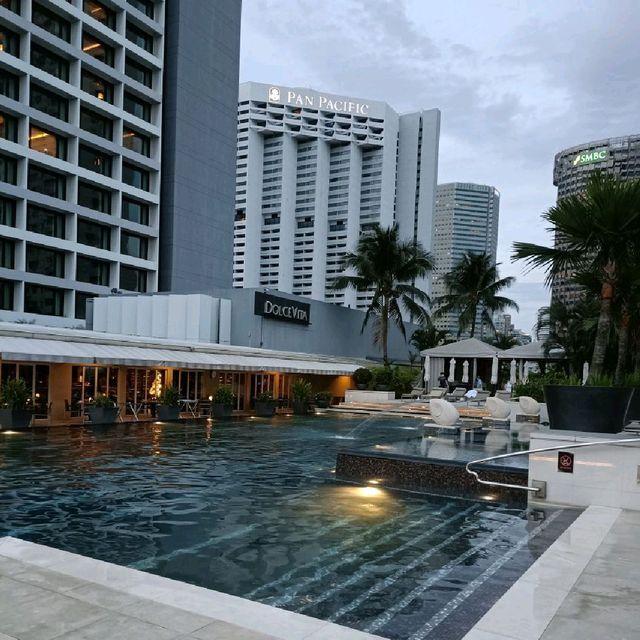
24, 349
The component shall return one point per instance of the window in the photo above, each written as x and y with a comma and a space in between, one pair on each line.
9, 85
51, 22
96, 124
132, 245
96, 86
8, 169
135, 211
137, 107
47, 143
143, 39
100, 13
94, 234
89, 158
7, 212
81, 304
8, 127
136, 142
47, 182
43, 300
12, 5
7, 254
49, 62
144, 6
45, 261
6, 295
92, 271
133, 279
139, 72
135, 177
93, 197
49, 103
9, 41
97, 49
45, 221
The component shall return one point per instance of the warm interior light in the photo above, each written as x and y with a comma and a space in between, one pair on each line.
38, 136
91, 47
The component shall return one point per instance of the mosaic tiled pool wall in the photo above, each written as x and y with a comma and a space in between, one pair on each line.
432, 476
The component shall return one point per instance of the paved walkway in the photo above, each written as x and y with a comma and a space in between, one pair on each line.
585, 587
46, 593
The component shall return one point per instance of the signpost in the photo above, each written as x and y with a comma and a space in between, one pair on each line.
277, 308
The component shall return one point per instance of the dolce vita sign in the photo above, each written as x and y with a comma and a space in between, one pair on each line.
277, 308
317, 101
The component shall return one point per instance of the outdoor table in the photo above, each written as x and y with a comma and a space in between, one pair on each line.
189, 405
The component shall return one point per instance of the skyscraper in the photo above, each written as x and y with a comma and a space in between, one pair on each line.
572, 167
90, 93
466, 220
314, 171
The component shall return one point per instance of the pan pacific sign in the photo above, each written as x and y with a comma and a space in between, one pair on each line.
283, 309
589, 157
317, 101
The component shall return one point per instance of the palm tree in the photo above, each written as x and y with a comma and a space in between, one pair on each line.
427, 336
473, 286
389, 268
599, 231
503, 341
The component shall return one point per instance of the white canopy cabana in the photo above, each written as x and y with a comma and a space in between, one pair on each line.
523, 356
471, 349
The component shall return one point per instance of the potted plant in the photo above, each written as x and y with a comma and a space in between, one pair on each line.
169, 404
222, 403
323, 399
103, 410
265, 405
597, 407
15, 401
301, 393
383, 378
362, 377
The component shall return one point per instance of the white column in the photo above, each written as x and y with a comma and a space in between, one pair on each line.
254, 210
287, 213
320, 222
353, 212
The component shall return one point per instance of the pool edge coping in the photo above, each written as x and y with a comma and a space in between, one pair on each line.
254, 616
572, 550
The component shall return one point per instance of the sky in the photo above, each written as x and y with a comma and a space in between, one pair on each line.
516, 82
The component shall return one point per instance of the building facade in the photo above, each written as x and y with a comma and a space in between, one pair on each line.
466, 220
316, 170
572, 167
83, 87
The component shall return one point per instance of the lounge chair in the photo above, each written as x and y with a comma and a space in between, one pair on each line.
436, 393
458, 394
416, 394
480, 397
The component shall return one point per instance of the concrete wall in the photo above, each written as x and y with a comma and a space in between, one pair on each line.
199, 144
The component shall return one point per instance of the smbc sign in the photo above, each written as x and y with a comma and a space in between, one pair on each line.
589, 157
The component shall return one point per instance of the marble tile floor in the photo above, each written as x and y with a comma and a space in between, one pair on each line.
46, 593
585, 587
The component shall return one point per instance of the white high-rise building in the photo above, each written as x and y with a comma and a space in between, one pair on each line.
314, 171
465, 221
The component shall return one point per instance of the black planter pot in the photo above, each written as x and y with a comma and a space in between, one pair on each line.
166, 412
265, 408
219, 410
382, 387
361, 387
590, 409
634, 406
300, 407
322, 404
16, 419
102, 415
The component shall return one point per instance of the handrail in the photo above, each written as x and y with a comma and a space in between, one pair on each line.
530, 451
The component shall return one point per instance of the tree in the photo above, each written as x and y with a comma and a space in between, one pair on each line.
599, 230
473, 286
388, 267
427, 336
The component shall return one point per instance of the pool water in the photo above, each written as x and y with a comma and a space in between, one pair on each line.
251, 508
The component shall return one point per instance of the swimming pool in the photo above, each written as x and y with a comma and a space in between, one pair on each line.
251, 508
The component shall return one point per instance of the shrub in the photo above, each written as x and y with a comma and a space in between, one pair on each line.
223, 395
323, 396
403, 379
383, 376
301, 390
264, 396
170, 397
534, 386
15, 394
362, 376
103, 401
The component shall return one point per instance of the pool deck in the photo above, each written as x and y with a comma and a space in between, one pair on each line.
46, 593
586, 586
